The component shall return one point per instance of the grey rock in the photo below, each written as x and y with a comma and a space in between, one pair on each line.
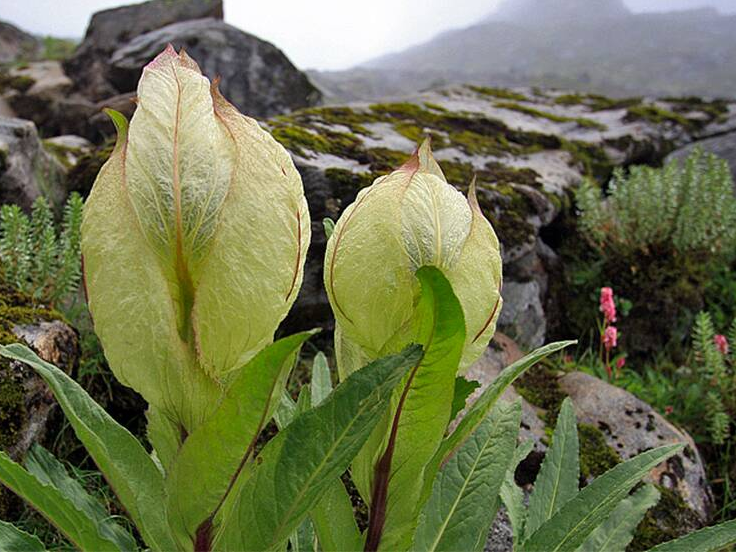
68, 148
110, 29
723, 146
255, 75
26, 169
501, 535
50, 102
16, 44
522, 316
54, 342
522, 193
631, 427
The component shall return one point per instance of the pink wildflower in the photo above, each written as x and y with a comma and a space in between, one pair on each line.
610, 336
721, 344
608, 307
620, 363
668, 410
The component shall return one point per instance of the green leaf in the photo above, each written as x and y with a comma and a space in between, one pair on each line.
334, 521
49, 471
618, 530
332, 517
463, 389
709, 539
285, 410
303, 539
296, 467
452, 519
54, 506
420, 416
480, 408
126, 465
321, 383
214, 455
557, 482
512, 496
329, 226
577, 519
13, 539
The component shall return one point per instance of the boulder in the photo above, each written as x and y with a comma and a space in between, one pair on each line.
17, 45
110, 29
631, 427
528, 148
26, 169
48, 100
26, 403
255, 75
723, 146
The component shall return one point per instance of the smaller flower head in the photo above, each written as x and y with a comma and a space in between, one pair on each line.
608, 307
620, 363
721, 344
610, 336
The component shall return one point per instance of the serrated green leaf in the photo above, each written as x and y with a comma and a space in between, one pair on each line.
332, 517
13, 539
321, 383
709, 539
615, 534
296, 467
481, 407
49, 471
577, 519
512, 496
419, 417
485, 403
334, 521
451, 520
557, 482
54, 506
463, 389
126, 465
213, 455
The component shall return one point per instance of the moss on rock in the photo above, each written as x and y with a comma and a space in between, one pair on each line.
596, 456
669, 519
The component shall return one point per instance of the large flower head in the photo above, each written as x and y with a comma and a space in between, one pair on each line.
194, 240
403, 221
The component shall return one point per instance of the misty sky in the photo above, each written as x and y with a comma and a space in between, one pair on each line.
322, 34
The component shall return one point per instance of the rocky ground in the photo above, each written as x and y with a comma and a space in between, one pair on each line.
529, 149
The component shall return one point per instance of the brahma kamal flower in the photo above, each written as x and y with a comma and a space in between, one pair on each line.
403, 221
194, 239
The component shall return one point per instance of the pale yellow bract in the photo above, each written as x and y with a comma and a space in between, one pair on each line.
194, 240
406, 220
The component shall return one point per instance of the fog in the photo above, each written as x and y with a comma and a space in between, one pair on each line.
322, 34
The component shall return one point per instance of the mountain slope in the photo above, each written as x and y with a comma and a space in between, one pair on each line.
678, 53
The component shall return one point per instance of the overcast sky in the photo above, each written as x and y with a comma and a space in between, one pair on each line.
323, 34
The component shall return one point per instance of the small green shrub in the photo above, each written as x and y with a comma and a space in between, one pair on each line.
690, 208
34, 256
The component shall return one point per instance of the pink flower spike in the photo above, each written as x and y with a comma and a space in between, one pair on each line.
721, 344
620, 363
610, 337
608, 307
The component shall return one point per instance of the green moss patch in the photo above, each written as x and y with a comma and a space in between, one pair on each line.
596, 457
501, 93
656, 115
526, 110
669, 519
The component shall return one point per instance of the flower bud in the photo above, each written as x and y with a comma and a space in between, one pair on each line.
194, 239
403, 221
